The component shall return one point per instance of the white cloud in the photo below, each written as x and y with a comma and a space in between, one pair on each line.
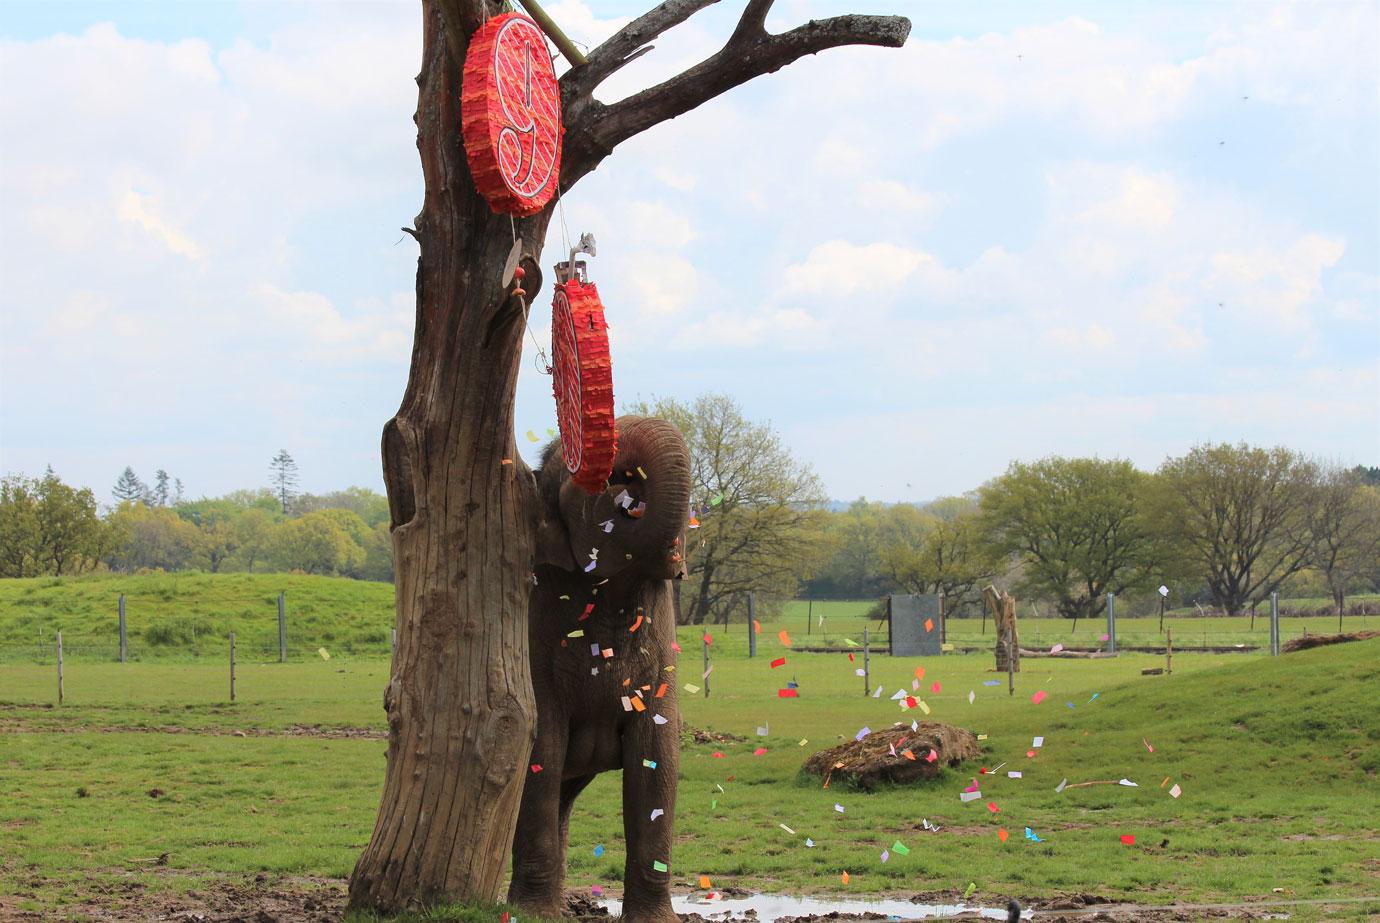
135, 209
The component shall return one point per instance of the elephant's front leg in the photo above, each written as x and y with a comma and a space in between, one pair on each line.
538, 850
648, 791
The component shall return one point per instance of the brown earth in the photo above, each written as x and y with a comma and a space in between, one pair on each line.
1303, 644
871, 761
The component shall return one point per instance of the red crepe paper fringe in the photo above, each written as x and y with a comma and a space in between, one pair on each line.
590, 425
482, 119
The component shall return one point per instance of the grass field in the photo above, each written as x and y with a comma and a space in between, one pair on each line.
1277, 760
188, 617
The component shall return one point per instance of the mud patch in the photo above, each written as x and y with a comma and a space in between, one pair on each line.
881, 756
1303, 644
699, 736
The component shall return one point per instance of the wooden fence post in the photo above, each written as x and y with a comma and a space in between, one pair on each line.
809, 615
61, 691
282, 628
705, 679
232, 666
1169, 652
124, 643
867, 665
752, 624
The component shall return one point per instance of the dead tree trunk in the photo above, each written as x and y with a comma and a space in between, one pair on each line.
461, 716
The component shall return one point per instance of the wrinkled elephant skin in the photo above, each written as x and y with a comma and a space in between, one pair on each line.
623, 615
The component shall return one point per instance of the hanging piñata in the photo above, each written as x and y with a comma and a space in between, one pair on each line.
510, 115
582, 377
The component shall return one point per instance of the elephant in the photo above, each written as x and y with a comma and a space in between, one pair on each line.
601, 629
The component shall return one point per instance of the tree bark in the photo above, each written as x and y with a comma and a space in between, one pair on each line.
463, 505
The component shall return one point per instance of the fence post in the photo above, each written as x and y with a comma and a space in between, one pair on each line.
232, 666
282, 628
752, 624
809, 616
867, 665
1010, 651
943, 620
1274, 624
705, 678
1111, 623
61, 691
1169, 653
124, 644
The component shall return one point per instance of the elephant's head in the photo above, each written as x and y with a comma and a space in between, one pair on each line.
637, 523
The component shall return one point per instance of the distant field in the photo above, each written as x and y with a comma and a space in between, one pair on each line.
1276, 759
190, 616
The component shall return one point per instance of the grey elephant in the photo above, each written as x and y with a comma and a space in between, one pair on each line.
601, 626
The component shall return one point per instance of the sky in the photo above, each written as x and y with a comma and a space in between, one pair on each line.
1039, 228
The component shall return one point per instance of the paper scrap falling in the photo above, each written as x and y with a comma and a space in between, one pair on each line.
1038, 697
650, 764
659, 866
809, 842
536, 767
785, 637
803, 741
778, 662
704, 882
886, 854
992, 806
657, 812
658, 719
838, 807
787, 694
991, 682
929, 625
1175, 792
1128, 783
844, 878
971, 696
325, 654
759, 751
691, 689
763, 730
1147, 745
1014, 775
1031, 835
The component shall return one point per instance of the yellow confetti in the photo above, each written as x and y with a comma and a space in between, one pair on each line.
641, 473
325, 654
803, 741
532, 437
691, 689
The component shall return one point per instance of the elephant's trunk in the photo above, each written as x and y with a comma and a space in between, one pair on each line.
653, 466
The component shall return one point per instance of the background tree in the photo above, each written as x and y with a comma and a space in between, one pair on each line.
762, 530
153, 538
161, 488
1344, 524
253, 532
927, 553
128, 488
315, 544
70, 533
283, 475
1078, 527
370, 506
464, 524
178, 496
19, 531
1241, 514
851, 567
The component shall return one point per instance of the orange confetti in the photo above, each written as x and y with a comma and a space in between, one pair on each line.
907, 754
785, 637
661, 690
844, 878
919, 672
704, 882
636, 624
637, 704
1002, 834
929, 625
506, 461
756, 627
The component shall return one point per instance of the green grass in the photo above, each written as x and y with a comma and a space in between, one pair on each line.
1277, 759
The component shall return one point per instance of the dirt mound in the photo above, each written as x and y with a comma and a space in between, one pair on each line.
1303, 644
710, 737
881, 756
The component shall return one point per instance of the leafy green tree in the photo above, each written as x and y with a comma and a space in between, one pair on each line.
70, 534
1344, 522
254, 535
161, 492
1079, 528
926, 553
761, 509
316, 544
378, 554
368, 505
283, 474
19, 530
129, 489
1241, 514
153, 538
260, 498
851, 565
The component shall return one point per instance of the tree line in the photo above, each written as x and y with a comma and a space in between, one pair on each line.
48, 527
1222, 526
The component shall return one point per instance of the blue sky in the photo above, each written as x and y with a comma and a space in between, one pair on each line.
1074, 228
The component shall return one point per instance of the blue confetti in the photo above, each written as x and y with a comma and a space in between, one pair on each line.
598, 850
991, 682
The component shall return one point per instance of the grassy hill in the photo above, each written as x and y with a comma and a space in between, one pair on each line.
192, 615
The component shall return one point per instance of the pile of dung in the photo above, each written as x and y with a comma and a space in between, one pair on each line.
869, 762
1303, 644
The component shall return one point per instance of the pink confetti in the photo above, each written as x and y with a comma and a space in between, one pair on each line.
1147, 745
934, 688
992, 806
759, 751
1038, 697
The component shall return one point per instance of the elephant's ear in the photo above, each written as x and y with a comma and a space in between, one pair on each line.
553, 540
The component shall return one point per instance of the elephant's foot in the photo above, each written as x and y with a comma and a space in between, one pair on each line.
537, 900
659, 912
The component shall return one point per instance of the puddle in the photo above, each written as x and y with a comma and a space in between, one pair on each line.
772, 907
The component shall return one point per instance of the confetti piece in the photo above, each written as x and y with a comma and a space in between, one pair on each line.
844, 878
506, 461
550, 431
704, 882
759, 751
1030, 835
1175, 792
536, 767
763, 730
787, 694
716, 755
658, 719
607, 652
1038, 697
637, 623
325, 654
691, 689
1014, 775
923, 707
992, 806
717, 500
968, 892
650, 764
778, 662
838, 808
598, 851
657, 812
532, 437
596, 890
929, 625
592, 564
885, 855
931, 756
877, 693
1104, 637
1094, 697
803, 741
1002, 834
627, 704
642, 473
1037, 742
675, 646
863, 733
991, 682
934, 688
849, 641
969, 796
1128, 783
589, 609
638, 706
912, 701
1128, 839
1060, 786
787, 829
899, 849
1147, 745
1056, 648
910, 755
659, 866
785, 637
980, 736
705, 674
919, 672
809, 842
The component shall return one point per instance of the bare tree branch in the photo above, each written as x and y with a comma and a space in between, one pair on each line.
594, 129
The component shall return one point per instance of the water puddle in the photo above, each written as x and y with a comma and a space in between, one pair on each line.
773, 907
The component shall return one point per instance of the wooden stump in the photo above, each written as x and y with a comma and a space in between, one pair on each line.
1008, 647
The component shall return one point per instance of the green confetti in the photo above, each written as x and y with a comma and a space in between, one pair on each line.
659, 866
969, 892
650, 764
713, 804
900, 849
717, 500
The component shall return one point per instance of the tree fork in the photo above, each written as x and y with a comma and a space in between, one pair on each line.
463, 506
